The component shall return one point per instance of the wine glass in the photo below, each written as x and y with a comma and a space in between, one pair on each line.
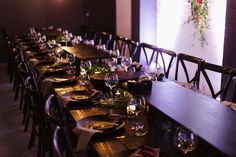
136, 112
86, 64
126, 62
70, 58
150, 71
112, 62
71, 70
185, 140
141, 126
59, 52
83, 77
111, 80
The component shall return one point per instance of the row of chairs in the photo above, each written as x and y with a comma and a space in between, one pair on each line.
146, 54
46, 116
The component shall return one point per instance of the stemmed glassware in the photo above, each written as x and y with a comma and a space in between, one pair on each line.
126, 62
112, 62
150, 71
70, 58
71, 70
111, 80
59, 52
84, 67
185, 140
136, 110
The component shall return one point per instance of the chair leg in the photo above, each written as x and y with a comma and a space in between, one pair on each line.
39, 147
22, 97
25, 109
27, 121
32, 136
16, 93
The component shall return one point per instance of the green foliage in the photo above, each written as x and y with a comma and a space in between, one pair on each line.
199, 17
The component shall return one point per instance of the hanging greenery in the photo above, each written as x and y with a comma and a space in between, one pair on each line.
199, 17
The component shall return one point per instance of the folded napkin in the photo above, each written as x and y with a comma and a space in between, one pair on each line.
85, 134
186, 85
146, 151
65, 99
46, 85
230, 104
41, 72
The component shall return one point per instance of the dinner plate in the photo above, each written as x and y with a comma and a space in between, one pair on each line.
105, 123
64, 79
81, 96
54, 69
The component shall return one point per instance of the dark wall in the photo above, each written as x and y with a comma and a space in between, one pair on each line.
18, 15
101, 15
229, 57
135, 20
230, 35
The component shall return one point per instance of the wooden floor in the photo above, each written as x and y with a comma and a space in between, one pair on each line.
13, 140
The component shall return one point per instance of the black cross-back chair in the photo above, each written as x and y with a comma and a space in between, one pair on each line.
182, 59
62, 142
56, 123
152, 54
130, 48
103, 38
228, 72
167, 58
89, 34
39, 125
118, 43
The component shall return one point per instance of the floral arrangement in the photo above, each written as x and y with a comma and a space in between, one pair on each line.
199, 17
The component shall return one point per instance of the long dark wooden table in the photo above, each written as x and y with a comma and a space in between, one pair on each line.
86, 52
212, 121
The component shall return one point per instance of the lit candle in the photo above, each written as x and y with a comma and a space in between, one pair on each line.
131, 110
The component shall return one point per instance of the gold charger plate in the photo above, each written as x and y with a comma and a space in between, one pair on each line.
106, 123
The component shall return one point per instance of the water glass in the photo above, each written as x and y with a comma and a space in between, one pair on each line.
126, 62
71, 70
111, 80
150, 71
112, 63
70, 58
83, 77
136, 114
185, 140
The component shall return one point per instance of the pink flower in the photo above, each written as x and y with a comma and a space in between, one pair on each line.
199, 2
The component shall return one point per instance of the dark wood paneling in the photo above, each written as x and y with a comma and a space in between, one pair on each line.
135, 20
230, 37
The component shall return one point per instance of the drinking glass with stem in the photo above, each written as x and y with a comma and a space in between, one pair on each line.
70, 58
150, 70
136, 111
126, 62
111, 80
185, 140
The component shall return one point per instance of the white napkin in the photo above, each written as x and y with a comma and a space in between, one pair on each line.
85, 135
63, 100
